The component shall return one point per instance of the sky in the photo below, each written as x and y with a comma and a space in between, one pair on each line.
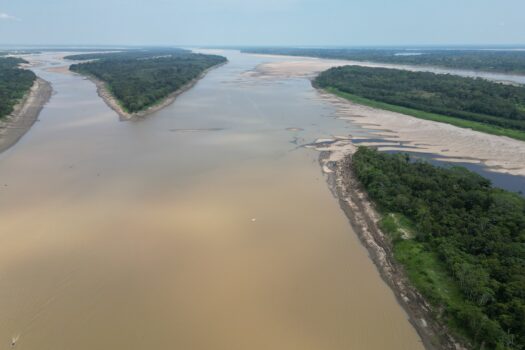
262, 22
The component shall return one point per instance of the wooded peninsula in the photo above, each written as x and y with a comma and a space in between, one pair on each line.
466, 102
139, 79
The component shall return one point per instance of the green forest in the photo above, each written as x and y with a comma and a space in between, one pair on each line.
475, 100
130, 54
481, 60
142, 78
14, 83
466, 251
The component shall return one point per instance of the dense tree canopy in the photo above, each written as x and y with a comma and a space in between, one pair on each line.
141, 78
482, 60
466, 98
14, 83
478, 233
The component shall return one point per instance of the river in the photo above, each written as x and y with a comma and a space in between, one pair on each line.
203, 226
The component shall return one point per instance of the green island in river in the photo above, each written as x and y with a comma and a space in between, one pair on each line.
478, 104
143, 81
460, 241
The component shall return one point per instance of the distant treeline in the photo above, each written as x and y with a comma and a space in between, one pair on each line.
141, 78
504, 61
14, 83
130, 54
476, 100
466, 252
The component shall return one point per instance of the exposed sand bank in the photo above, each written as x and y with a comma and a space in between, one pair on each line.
59, 69
497, 153
25, 114
298, 68
114, 104
312, 64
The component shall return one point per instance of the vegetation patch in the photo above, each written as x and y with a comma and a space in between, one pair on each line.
15, 83
142, 78
466, 102
466, 247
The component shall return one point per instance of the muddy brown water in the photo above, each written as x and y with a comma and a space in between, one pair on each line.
138, 235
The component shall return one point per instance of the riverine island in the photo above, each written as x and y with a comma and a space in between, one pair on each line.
478, 104
136, 83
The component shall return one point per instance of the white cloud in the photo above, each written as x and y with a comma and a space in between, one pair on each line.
5, 16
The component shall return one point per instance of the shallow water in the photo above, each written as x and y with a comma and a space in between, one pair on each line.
204, 226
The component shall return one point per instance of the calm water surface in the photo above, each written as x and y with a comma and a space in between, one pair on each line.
203, 226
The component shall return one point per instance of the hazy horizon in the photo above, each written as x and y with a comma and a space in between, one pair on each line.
263, 23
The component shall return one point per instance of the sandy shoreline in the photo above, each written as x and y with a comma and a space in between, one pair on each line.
25, 114
113, 103
364, 219
497, 153
322, 64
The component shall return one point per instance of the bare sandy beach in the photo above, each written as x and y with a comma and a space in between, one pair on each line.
294, 67
59, 69
25, 114
297, 67
498, 153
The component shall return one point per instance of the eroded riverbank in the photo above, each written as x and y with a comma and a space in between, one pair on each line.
25, 114
364, 219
